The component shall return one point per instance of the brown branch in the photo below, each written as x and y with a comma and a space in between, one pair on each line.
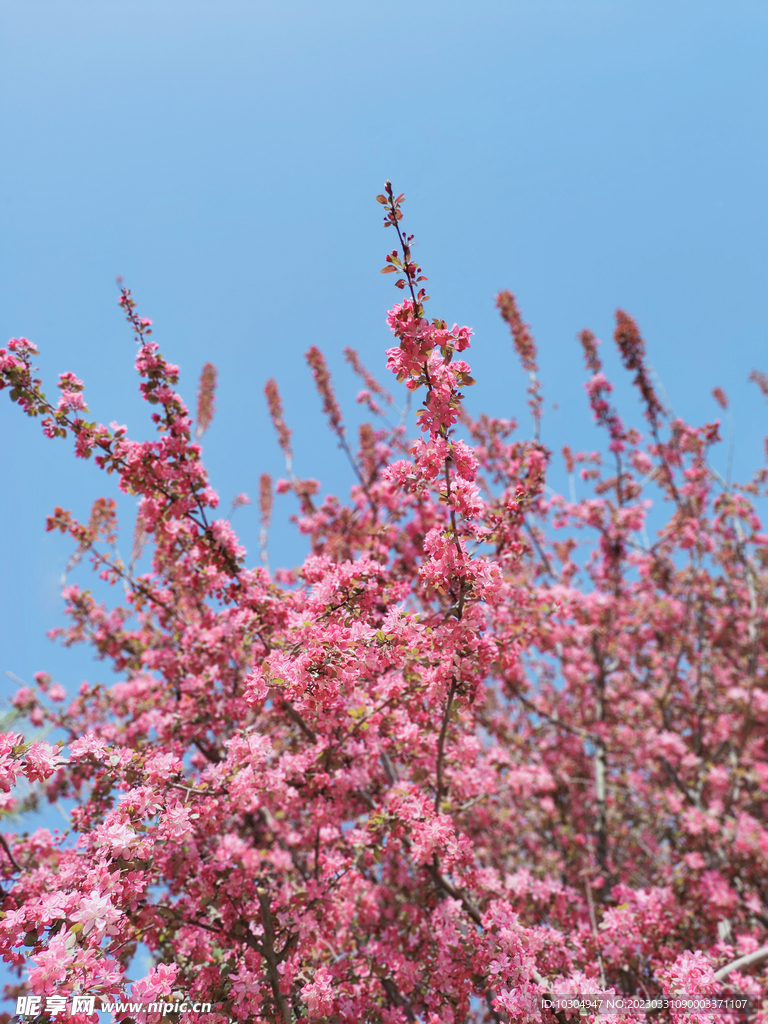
395, 996
296, 718
11, 858
403, 244
537, 544
581, 733
271, 957
454, 892
441, 744
560, 1014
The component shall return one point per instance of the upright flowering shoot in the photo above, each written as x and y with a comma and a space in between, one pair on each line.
525, 347
206, 399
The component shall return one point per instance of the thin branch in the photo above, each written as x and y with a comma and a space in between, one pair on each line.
593, 922
389, 769
11, 858
455, 893
749, 960
541, 552
295, 717
583, 734
560, 1014
441, 744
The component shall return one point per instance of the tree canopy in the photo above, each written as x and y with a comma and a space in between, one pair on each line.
489, 745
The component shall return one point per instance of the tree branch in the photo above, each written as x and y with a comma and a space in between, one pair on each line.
749, 960
441, 744
395, 996
11, 858
268, 951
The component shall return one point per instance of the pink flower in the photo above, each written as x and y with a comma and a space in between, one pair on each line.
117, 837
97, 913
10, 768
24, 697
88, 745
52, 963
41, 761
160, 981
318, 993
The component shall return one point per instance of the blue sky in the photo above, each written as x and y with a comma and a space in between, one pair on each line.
224, 157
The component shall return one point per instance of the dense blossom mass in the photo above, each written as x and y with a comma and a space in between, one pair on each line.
487, 744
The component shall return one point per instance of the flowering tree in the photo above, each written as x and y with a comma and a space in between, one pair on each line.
485, 745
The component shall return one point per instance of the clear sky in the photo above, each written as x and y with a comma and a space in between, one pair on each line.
224, 156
